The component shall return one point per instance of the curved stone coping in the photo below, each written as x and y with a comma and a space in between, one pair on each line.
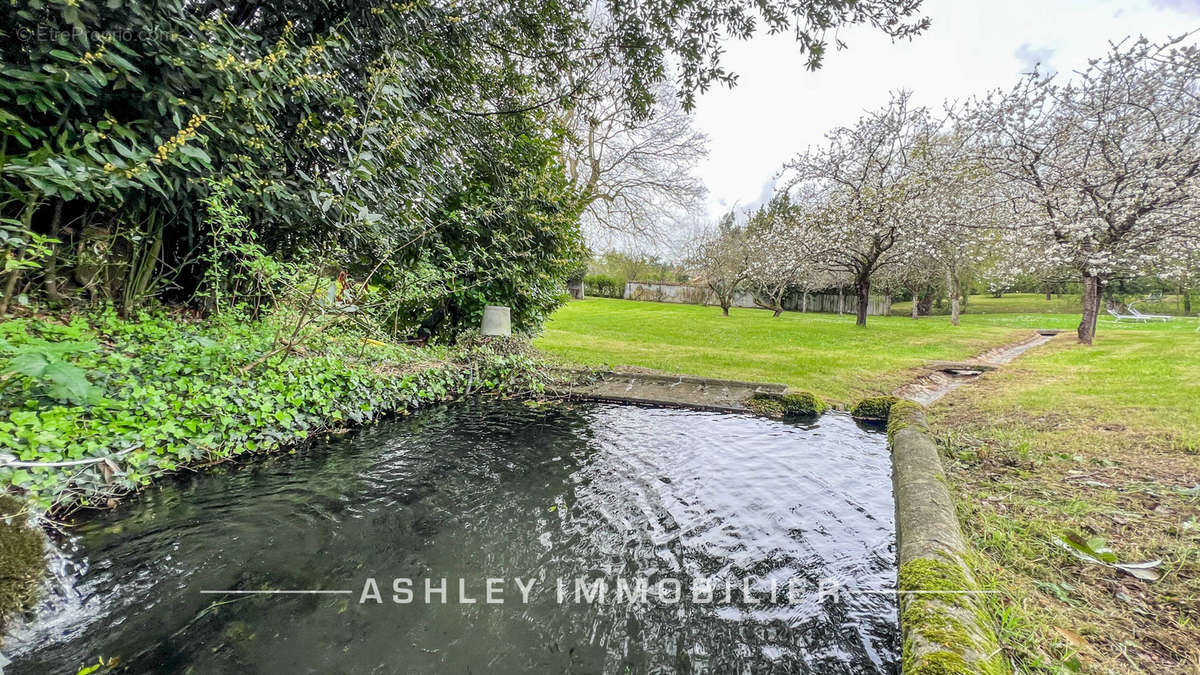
943, 618
677, 391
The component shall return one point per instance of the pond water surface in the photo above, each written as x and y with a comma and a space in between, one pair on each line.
561, 496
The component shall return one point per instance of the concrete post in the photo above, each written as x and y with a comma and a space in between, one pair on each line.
496, 321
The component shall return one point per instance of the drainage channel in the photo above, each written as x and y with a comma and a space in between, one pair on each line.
948, 376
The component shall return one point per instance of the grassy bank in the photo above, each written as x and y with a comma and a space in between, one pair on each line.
93, 407
825, 354
1101, 444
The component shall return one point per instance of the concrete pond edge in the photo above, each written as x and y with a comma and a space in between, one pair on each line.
944, 621
669, 391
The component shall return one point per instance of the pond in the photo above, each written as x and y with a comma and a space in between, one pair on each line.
617, 539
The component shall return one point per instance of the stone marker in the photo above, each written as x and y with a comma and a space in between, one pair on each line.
496, 321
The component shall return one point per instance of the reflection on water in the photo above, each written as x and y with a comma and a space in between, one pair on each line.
547, 494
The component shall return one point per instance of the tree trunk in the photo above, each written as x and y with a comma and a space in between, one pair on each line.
724, 309
1187, 302
841, 301
953, 284
804, 302
926, 306
52, 261
863, 286
11, 286
916, 309
1093, 290
778, 312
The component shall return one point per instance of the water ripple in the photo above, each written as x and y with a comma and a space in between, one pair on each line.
497, 489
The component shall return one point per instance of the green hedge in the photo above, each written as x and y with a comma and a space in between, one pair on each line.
604, 286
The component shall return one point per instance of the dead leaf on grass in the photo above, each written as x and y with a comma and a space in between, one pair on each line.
1097, 552
1072, 637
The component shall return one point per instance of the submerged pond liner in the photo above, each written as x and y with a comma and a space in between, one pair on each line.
502, 490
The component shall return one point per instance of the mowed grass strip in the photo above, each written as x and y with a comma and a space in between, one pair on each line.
822, 353
1145, 378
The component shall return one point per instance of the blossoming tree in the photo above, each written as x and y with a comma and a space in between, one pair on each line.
787, 252
864, 179
722, 258
1103, 171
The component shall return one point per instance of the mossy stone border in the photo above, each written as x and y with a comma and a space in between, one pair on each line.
944, 633
799, 404
875, 408
22, 558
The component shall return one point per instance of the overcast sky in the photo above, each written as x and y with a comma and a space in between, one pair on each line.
778, 108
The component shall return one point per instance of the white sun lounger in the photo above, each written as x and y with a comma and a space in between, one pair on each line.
1118, 316
1160, 317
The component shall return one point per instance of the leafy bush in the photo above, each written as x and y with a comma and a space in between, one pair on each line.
170, 393
44, 364
604, 286
342, 129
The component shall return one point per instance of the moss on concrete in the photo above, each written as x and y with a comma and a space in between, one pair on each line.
874, 408
904, 414
939, 663
21, 559
928, 574
799, 404
945, 630
945, 633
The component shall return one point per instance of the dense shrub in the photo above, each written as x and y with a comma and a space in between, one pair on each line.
342, 132
604, 286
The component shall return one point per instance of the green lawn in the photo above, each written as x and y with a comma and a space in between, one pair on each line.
1147, 378
1102, 442
822, 353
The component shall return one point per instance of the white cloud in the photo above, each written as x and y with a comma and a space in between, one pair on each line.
778, 108
1034, 57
